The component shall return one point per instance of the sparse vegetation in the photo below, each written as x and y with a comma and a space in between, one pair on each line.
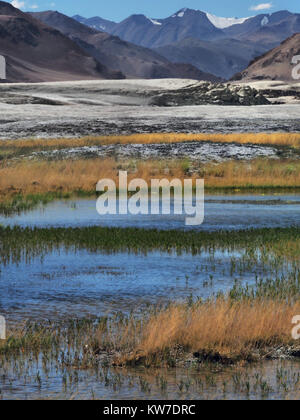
266, 245
26, 182
12, 148
21, 180
245, 324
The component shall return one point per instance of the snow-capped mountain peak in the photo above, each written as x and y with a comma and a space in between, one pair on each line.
222, 22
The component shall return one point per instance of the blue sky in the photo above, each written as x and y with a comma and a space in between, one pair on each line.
120, 9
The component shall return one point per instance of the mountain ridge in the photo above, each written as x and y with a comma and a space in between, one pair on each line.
221, 46
154, 33
132, 60
35, 52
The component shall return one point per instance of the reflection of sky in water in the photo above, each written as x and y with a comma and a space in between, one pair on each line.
126, 383
81, 284
220, 213
77, 285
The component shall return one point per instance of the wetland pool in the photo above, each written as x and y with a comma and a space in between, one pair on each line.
76, 283
80, 283
226, 212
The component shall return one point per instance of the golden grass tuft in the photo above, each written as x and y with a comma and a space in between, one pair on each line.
233, 329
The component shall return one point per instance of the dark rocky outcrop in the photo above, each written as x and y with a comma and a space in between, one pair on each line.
210, 93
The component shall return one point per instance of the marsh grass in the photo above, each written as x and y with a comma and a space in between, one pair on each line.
244, 326
220, 331
24, 178
19, 203
274, 245
35, 177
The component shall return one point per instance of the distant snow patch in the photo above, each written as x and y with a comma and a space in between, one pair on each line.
155, 22
265, 21
222, 22
99, 27
181, 13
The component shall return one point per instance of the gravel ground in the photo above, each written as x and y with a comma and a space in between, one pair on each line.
197, 151
121, 107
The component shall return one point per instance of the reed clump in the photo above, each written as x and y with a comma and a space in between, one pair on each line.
223, 329
248, 323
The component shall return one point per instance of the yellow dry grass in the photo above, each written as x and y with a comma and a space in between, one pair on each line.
234, 329
281, 139
28, 177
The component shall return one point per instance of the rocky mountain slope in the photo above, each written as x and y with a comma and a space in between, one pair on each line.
276, 64
223, 57
266, 29
34, 52
156, 32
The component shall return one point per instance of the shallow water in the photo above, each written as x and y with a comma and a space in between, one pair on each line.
36, 379
221, 212
81, 284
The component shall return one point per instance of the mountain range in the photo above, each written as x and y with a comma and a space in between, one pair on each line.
132, 60
221, 46
270, 29
50, 46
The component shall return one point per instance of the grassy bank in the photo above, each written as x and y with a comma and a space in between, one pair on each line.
25, 183
223, 331
18, 203
68, 176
